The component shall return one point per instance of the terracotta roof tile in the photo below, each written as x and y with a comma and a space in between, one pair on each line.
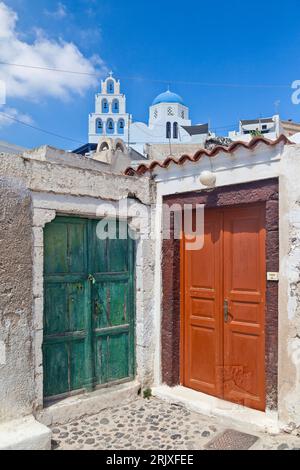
144, 168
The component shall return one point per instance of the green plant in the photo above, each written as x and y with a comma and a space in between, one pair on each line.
256, 133
147, 393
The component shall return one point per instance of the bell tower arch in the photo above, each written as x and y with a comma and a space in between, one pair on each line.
110, 111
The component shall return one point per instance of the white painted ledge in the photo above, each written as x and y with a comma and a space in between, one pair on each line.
228, 413
86, 404
24, 434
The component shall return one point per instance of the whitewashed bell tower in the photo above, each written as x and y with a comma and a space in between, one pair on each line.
110, 117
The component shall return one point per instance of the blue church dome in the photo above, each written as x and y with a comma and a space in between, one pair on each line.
168, 97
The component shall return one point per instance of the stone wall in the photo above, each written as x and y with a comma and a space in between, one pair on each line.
289, 298
34, 189
16, 361
72, 174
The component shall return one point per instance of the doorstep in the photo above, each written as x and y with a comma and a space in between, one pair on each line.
228, 413
85, 404
24, 434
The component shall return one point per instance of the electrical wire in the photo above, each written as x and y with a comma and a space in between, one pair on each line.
127, 78
70, 139
54, 134
12, 118
179, 82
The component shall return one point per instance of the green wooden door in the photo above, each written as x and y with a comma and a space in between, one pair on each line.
112, 300
88, 307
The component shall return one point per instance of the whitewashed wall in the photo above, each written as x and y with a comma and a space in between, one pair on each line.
244, 166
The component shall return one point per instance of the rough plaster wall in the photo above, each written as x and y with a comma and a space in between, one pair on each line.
46, 153
289, 327
145, 341
62, 179
20, 179
16, 362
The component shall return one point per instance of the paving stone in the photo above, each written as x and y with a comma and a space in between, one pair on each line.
283, 446
156, 425
90, 441
104, 421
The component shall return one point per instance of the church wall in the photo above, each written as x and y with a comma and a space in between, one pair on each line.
110, 113
137, 134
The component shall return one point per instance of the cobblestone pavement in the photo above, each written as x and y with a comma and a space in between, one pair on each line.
151, 424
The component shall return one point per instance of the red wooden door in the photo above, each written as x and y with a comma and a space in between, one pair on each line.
203, 341
223, 303
244, 290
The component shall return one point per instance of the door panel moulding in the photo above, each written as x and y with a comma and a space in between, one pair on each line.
45, 209
223, 307
89, 307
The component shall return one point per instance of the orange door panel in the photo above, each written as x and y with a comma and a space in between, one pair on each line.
222, 307
244, 289
202, 325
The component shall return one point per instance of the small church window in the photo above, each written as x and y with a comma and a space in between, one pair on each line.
175, 130
168, 130
110, 126
105, 107
115, 106
170, 112
155, 113
121, 125
99, 126
182, 114
110, 87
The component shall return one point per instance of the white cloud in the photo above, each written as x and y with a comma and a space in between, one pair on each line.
43, 52
8, 19
15, 114
59, 13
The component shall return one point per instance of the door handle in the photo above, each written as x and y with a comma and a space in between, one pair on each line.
91, 279
225, 310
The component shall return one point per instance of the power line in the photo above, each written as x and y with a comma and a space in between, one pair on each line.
8, 116
178, 82
49, 69
54, 134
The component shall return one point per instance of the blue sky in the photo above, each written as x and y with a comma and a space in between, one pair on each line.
230, 42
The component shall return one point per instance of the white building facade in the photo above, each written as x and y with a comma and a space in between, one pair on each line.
270, 128
168, 122
110, 117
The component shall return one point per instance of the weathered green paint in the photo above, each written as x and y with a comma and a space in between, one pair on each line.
89, 307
